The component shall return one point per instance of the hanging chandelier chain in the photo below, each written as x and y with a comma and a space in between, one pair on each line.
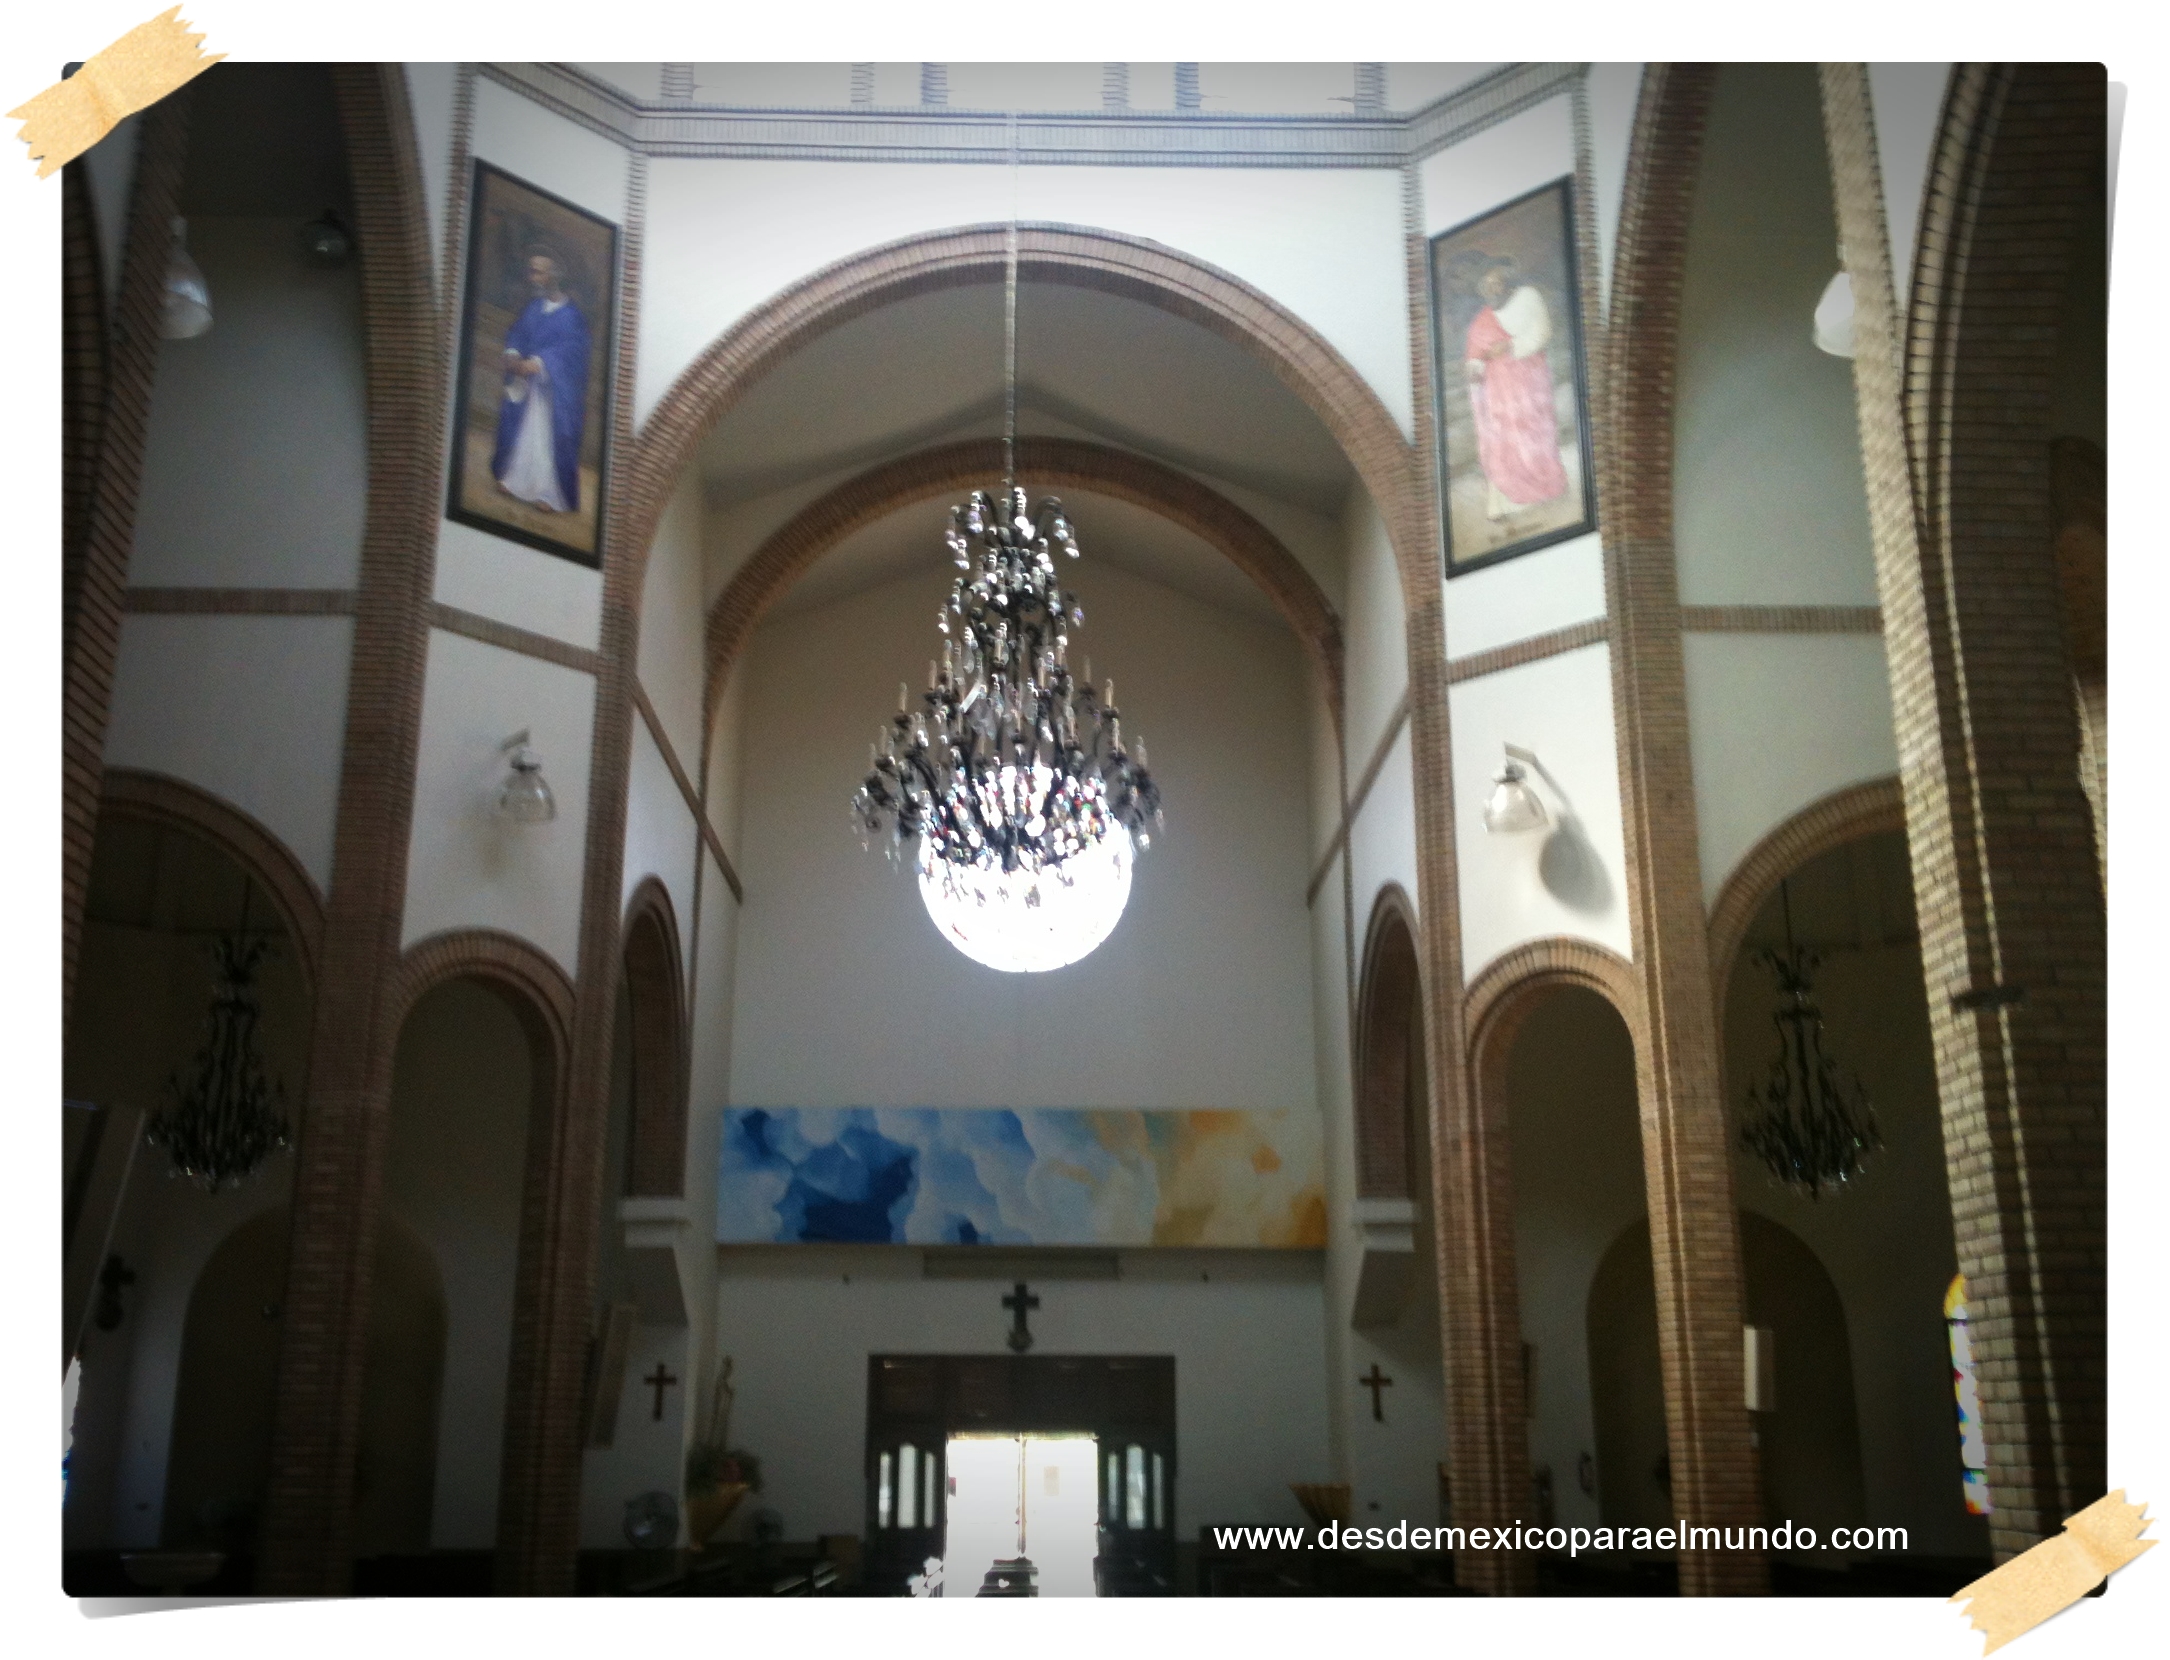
1811, 1123
1009, 763
1009, 329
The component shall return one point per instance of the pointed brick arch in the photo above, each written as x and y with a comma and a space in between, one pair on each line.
1388, 1007
1063, 463
1832, 821
655, 986
1133, 267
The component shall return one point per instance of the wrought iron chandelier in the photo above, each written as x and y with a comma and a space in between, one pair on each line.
1011, 772
1811, 1123
225, 1117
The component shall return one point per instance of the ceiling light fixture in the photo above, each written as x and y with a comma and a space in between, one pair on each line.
1011, 773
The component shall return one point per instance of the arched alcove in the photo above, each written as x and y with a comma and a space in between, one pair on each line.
224, 1399
1885, 1240
473, 1088
652, 1025
1566, 1078
1391, 1097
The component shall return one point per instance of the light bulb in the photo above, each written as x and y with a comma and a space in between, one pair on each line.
186, 309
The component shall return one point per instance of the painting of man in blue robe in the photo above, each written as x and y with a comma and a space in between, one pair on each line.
545, 398
531, 452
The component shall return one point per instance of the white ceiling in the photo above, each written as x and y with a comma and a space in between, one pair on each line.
929, 369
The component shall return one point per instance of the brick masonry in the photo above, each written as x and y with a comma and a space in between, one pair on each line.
1953, 387
1059, 463
338, 1166
1687, 1162
98, 538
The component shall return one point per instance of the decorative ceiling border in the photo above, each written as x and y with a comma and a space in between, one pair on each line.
1098, 138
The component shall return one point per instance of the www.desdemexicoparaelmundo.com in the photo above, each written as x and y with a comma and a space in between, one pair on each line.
1573, 1540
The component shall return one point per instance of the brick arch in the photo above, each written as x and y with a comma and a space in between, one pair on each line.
530, 979
655, 986
1842, 816
154, 798
1064, 463
1130, 266
1955, 382
1388, 1005
1500, 998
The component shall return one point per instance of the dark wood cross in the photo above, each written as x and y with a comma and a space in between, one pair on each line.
662, 1378
1019, 1301
1376, 1382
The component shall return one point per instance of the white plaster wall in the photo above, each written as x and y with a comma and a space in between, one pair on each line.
477, 571
661, 839
1906, 98
466, 866
847, 995
255, 464
431, 88
1245, 1330
111, 166
1374, 630
1776, 721
1611, 92
252, 709
1769, 502
1383, 837
1498, 164
453, 1166
1560, 708
1518, 599
671, 661
726, 766
646, 1452
725, 236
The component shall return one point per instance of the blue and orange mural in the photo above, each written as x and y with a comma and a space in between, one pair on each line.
1036, 1176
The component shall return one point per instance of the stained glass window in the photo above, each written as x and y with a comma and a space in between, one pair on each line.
1973, 1450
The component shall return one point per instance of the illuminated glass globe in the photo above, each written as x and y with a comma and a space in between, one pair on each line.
1027, 922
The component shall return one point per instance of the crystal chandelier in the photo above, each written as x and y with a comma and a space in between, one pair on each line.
1809, 1122
1011, 772
225, 1118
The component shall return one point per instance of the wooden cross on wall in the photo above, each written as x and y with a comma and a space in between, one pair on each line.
1376, 1382
1019, 1302
662, 1378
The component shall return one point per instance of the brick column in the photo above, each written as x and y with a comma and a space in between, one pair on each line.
339, 1160
99, 501
1687, 1146
1954, 405
538, 1529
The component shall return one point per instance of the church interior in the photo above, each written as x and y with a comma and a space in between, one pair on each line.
1567, 996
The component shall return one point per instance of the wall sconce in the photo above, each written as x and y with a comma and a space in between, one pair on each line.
326, 241
186, 312
524, 797
1513, 806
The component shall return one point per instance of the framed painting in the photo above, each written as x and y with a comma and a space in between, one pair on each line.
1513, 403
531, 424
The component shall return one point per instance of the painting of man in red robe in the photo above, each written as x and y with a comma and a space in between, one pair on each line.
1510, 394
1508, 376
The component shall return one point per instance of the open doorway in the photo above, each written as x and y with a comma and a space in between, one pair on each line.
1022, 1495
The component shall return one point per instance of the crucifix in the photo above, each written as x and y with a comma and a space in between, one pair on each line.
663, 1377
1019, 1301
1376, 1382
